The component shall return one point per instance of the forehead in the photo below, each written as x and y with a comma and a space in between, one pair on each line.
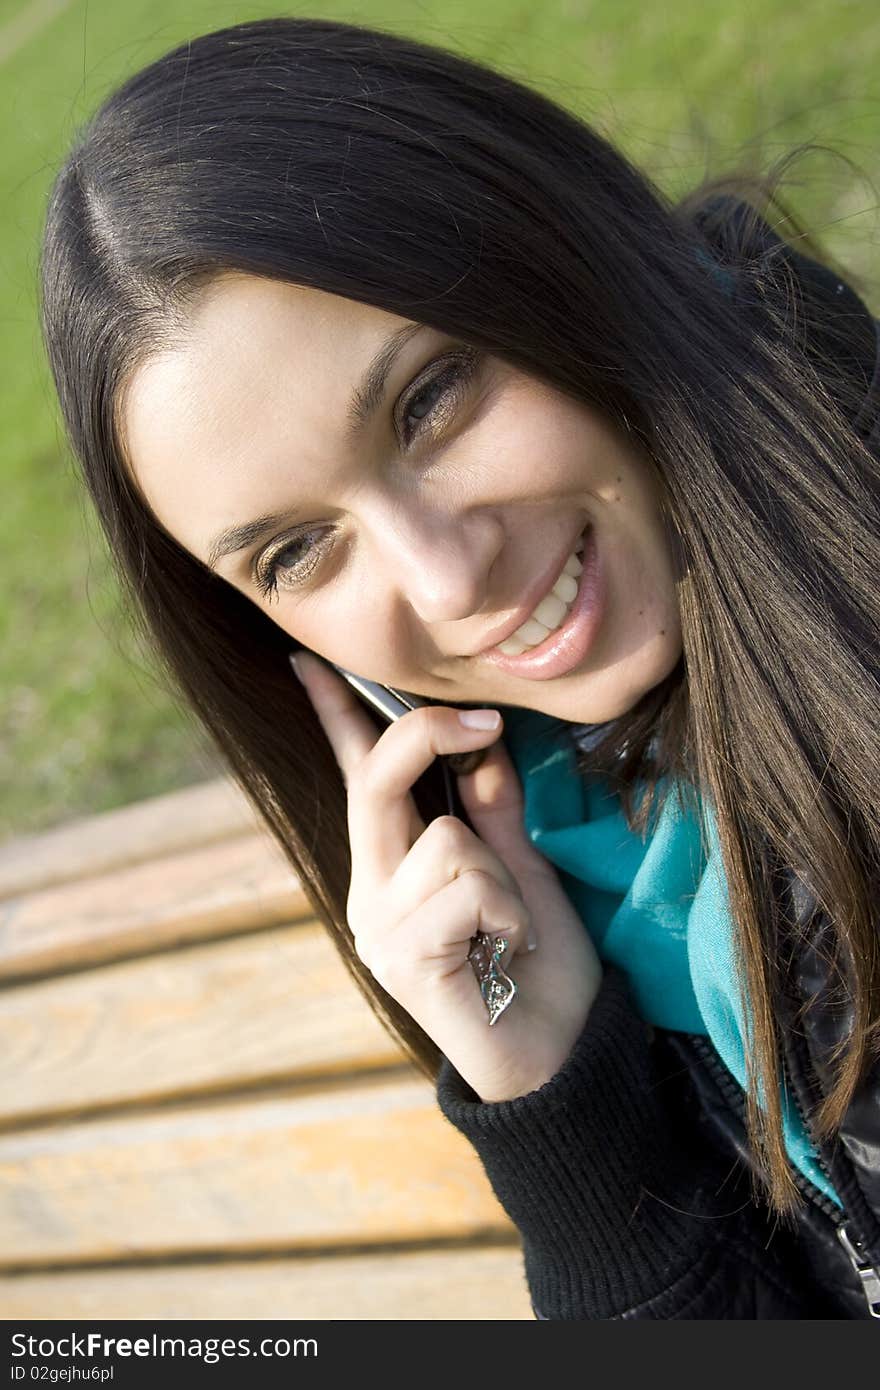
254, 392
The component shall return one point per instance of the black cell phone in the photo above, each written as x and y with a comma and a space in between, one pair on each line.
390, 703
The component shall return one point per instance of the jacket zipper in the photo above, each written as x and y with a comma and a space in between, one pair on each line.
866, 1273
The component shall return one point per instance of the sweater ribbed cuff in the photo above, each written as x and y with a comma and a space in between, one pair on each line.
609, 1200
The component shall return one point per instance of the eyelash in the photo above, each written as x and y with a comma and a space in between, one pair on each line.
455, 377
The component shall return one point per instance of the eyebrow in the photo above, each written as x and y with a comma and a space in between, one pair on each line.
365, 401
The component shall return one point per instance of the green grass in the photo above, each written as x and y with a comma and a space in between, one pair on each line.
684, 90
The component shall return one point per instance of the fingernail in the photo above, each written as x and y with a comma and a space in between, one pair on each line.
296, 670
479, 718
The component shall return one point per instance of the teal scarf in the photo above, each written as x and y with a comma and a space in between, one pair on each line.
658, 909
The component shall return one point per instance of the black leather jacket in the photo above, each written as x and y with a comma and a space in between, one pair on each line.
628, 1174
841, 1249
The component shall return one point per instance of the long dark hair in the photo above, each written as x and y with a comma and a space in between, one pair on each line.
395, 173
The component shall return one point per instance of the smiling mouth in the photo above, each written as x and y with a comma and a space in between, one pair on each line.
537, 651
552, 610
547, 608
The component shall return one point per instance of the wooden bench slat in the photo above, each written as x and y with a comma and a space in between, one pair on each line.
234, 885
371, 1164
472, 1284
147, 829
273, 1006
156, 1015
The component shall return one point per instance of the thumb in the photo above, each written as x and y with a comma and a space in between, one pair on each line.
493, 800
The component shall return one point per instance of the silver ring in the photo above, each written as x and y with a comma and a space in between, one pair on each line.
496, 986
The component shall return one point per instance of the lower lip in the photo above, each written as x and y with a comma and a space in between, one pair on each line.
567, 645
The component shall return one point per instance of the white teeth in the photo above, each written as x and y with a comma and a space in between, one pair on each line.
572, 566
550, 612
532, 632
566, 587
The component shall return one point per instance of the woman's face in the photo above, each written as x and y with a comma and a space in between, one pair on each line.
405, 542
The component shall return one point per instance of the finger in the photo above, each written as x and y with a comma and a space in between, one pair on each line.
492, 799
350, 731
445, 850
378, 820
433, 942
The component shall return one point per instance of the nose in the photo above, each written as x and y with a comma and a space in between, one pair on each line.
439, 564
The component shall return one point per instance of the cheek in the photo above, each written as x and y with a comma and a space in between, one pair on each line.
660, 582
343, 630
537, 441
634, 512
642, 578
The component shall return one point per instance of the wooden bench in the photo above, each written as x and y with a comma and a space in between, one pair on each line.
199, 1115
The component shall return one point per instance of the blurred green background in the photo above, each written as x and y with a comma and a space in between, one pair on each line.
685, 90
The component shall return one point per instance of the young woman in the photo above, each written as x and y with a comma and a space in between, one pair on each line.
368, 350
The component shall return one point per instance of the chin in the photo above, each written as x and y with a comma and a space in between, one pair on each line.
613, 703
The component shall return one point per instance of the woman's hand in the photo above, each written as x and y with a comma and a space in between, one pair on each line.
418, 894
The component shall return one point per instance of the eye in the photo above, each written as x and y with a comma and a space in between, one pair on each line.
267, 567
434, 400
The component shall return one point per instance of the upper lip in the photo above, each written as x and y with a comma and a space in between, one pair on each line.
538, 589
